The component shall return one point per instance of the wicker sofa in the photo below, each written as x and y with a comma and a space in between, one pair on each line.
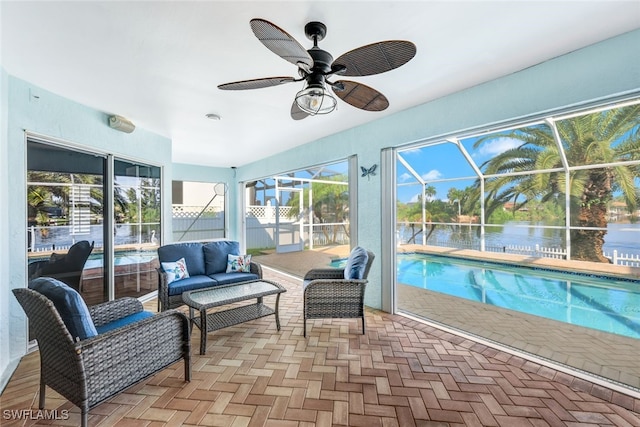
129, 344
206, 264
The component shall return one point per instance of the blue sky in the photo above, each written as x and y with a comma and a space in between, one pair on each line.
445, 161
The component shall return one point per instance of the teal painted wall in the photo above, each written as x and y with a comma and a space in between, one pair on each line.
7, 315
56, 117
602, 70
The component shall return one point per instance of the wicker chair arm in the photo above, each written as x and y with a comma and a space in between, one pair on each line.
335, 284
324, 273
109, 311
133, 352
163, 290
256, 269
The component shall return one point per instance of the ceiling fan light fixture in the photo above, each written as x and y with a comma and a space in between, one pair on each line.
315, 99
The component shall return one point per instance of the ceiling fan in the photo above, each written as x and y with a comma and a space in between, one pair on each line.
316, 66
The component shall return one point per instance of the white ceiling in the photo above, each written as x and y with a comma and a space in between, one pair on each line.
158, 63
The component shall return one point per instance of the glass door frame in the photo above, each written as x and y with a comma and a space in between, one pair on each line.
294, 246
108, 199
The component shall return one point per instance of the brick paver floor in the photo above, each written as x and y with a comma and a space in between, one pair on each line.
401, 373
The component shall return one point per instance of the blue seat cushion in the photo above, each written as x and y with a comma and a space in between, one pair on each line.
216, 254
189, 284
126, 320
227, 278
191, 252
70, 305
356, 264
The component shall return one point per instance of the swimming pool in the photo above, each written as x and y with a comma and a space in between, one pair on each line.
120, 258
596, 302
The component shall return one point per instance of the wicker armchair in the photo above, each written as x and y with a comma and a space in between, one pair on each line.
93, 370
67, 267
327, 294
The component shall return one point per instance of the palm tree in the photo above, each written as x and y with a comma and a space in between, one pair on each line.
330, 205
435, 211
602, 138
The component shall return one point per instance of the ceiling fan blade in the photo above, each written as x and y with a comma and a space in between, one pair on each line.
281, 43
360, 96
296, 112
376, 58
256, 83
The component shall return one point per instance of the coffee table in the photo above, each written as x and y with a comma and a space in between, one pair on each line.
204, 299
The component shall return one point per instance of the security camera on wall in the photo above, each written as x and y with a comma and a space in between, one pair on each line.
121, 124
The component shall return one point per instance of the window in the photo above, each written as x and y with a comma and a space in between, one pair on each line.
297, 210
198, 211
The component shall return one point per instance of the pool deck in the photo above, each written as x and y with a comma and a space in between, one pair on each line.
298, 263
561, 264
591, 351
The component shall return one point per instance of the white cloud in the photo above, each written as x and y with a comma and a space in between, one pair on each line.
431, 175
404, 177
415, 198
498, 146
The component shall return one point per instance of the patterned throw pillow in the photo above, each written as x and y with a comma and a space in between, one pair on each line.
238, 263
175, 270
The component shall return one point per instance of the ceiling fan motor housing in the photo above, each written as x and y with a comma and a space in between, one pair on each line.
322, 60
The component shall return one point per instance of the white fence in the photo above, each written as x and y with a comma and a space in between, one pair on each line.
617, 258
262, 235
628, 260
536, 251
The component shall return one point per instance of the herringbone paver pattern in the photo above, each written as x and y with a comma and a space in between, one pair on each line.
401, 373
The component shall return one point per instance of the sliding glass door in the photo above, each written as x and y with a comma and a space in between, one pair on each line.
71, 233
65, 208
137, 230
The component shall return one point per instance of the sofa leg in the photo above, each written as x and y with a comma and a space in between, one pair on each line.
42, 392
362, 325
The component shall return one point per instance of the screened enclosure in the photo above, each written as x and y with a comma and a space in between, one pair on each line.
302, 209
484, 220
563, 187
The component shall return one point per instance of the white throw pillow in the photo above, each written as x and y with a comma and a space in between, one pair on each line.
175, 270
238, 263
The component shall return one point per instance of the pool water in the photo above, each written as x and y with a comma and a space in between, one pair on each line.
596, 302
122, 258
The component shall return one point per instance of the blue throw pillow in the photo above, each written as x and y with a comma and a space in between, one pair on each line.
70, 305
356, 264
216, 255
191, 252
